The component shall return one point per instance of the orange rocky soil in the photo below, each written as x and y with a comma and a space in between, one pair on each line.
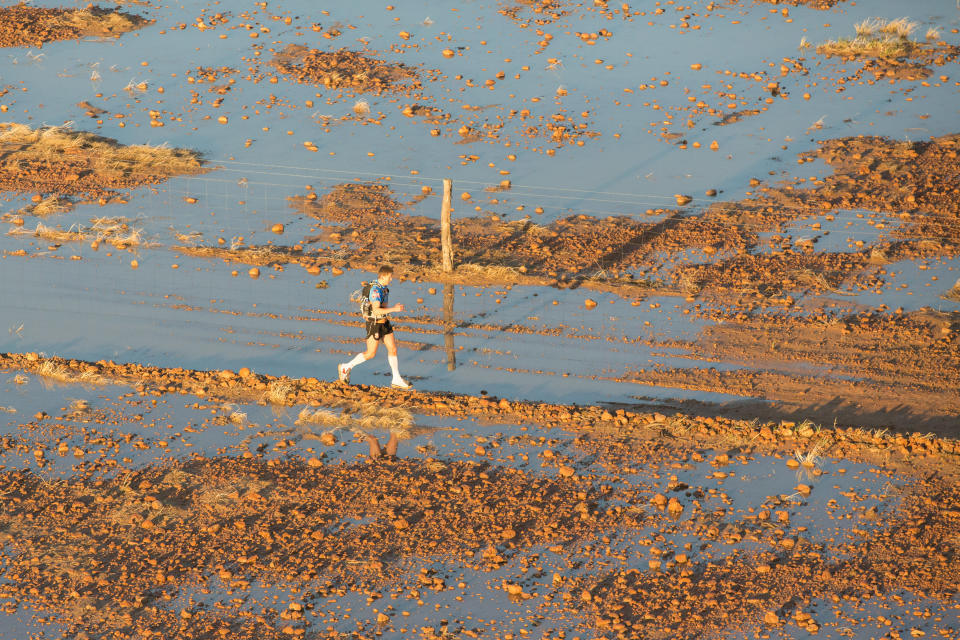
239, 521
104, 558
344, 69
913, 551
913, 183
22, 25
107, 552
248, 386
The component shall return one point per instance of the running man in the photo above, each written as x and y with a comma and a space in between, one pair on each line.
379, 330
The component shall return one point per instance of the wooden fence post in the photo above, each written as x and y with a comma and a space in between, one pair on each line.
446, 241
449, 324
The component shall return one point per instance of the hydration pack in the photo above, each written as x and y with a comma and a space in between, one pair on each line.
362, 298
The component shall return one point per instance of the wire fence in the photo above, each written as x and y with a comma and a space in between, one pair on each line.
201, 301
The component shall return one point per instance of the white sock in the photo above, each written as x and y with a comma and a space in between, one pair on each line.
395, 365
358, 359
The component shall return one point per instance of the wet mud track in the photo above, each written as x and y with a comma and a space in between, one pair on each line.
695, 374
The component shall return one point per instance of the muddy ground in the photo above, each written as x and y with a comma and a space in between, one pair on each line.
22, 25
781, 455
58, 167
912, 186
77, 549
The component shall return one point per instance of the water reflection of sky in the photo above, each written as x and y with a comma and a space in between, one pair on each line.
200, 316
842, 493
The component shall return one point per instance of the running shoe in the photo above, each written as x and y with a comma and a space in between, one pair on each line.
344, 373
401, 384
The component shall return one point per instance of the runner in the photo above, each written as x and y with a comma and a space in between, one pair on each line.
379, 330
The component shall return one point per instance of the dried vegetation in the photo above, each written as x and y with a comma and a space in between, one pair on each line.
364, 416
67, 163
114, 231
888, 50
875, 38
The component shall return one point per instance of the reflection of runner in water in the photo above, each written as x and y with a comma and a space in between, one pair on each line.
390, 450
379, 330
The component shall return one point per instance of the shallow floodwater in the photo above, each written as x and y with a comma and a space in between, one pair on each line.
630, 85
122, 430
629, 94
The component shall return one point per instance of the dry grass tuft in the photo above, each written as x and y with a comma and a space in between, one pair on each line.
103, 156
868, 27
954, 293
79, 406
260, 256
222, 499
50, 234
816, 281
875, 38
133, 89
901, 27
176, 477
189, 239
48, 206
93, 21
361, 108
320, 417
115, 231
814, 457
362, 417
278, 391
51, 370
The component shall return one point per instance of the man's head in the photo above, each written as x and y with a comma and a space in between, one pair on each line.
385, 274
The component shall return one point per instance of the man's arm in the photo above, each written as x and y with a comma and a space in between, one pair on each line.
380, 312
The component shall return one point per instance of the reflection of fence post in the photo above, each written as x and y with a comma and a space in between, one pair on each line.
448, 324
446, 241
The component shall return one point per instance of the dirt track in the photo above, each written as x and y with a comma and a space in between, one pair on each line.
249, 386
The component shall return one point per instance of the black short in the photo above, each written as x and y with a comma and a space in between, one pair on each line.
378, 329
